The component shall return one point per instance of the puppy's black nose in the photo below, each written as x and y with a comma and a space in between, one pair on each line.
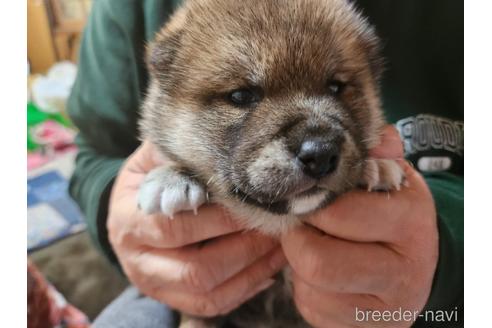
319, 157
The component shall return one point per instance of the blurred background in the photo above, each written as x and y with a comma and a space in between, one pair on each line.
65, 271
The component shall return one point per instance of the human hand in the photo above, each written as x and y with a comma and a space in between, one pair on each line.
366, 252
202, 265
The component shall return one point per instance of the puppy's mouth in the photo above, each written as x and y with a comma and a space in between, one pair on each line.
309, 192
278, 206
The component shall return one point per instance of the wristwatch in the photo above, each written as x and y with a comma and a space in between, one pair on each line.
432, 143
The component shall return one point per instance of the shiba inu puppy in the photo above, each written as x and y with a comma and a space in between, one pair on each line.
266, 107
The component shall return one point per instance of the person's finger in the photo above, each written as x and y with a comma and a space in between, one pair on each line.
146, 157
158, 230
390, 146
325, 309
224, 257
252, 293
320, 309
339, 265
249, 295
203, 268
230, 293
373, 216
133, 171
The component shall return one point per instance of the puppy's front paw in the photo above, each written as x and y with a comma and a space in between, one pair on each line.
169, 191
383, 175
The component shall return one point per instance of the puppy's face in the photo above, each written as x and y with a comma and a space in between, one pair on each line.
272, 104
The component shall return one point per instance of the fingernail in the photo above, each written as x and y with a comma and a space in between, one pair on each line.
277, 260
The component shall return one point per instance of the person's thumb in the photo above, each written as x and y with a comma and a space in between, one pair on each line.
147, 157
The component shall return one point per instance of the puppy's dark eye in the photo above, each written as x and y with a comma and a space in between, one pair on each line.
244, 97
336, 87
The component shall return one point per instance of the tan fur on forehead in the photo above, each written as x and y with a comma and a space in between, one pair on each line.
259, 41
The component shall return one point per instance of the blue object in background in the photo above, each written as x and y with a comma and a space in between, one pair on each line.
51, 213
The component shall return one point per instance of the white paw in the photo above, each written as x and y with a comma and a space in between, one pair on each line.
383, 175
168, 191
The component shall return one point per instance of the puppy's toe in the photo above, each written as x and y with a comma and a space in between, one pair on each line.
169, 191
185, 196
383, 175
149, 194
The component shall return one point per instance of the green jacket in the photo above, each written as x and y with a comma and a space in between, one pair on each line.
424, 50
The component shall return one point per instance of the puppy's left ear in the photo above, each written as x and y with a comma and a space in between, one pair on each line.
161, 52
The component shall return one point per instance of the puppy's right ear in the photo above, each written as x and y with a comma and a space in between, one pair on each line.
161, 53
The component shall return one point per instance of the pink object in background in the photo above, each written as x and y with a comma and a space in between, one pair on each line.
54, 139
46, 307
35, 160
53, 135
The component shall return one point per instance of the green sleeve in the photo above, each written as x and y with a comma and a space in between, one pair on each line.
447, 290
105, 100
103, 106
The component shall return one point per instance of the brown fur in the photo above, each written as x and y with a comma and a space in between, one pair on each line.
289, 50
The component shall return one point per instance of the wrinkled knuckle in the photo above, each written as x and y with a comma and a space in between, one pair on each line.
198, 277
205, 306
